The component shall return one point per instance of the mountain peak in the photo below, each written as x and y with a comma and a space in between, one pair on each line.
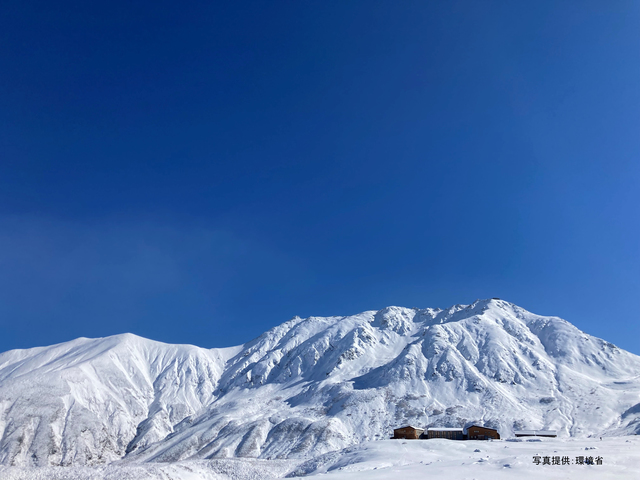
313, 385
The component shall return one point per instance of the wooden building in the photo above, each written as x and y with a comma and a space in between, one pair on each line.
408, 432
477, 432
448, 433
535, 433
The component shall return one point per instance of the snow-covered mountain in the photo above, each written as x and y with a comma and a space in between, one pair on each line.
313, 385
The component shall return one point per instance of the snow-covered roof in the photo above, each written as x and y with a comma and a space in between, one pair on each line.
481, 426
438, 429
534, 432
409, 426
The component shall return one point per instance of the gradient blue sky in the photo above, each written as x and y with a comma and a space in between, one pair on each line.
199, 172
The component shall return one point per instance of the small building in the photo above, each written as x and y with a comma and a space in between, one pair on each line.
409, 432
535, 433
448, 433
477, 432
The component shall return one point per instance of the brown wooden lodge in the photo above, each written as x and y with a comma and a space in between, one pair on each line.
408, 432
474, 432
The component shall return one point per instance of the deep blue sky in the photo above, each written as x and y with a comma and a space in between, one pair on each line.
198, 172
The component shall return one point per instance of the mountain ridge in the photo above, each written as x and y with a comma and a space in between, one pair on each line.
312, 385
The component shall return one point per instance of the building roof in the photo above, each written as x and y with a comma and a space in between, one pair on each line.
534, 432
438, 429
409, 426
482, 426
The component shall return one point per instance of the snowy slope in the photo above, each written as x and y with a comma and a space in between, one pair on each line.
311, 386
84, 401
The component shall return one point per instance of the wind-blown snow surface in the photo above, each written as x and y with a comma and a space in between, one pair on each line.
311, 386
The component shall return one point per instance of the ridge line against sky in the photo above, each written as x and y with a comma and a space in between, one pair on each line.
201, 173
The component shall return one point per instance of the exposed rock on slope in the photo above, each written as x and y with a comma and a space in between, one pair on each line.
313, 385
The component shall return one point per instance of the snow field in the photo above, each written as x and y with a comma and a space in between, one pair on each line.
385, 460
495, 460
